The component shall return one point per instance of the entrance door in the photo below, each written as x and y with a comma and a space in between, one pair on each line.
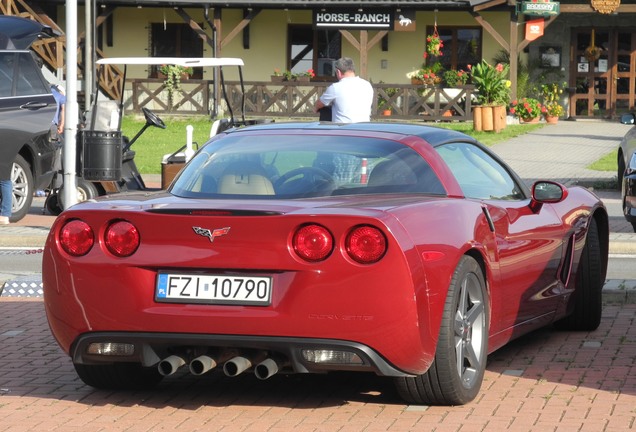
604, 77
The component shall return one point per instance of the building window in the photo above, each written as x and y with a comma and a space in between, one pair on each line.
313, 49
175, 40
462, 47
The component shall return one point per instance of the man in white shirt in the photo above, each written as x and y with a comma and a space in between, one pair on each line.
350, 98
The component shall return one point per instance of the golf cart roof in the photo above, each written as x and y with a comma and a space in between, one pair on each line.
180, 61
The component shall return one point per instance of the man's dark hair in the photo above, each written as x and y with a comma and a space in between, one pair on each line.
345, 64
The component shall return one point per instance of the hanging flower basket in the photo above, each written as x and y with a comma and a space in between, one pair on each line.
434, 45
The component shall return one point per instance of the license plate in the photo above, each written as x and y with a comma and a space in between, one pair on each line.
213, 289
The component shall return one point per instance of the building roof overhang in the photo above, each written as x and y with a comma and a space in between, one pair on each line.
291, 4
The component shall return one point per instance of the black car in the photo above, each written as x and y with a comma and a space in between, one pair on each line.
27, 108
627, 170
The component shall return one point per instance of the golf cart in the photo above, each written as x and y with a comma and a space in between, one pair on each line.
106, 162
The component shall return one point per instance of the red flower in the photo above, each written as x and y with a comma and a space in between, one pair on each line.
469, 67
499, 67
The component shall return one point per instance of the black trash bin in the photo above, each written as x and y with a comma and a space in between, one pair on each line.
101, 155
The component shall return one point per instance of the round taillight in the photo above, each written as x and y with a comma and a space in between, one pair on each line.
76, 238
366, 244
121, 238
313, 242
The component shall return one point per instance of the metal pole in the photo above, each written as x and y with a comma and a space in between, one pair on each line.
69, 193
88, 54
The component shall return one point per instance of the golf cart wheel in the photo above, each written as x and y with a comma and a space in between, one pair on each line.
85, 191
52, 204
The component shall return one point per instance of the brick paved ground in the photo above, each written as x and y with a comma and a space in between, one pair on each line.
546, 381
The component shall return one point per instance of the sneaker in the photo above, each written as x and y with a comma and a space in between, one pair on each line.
4, 220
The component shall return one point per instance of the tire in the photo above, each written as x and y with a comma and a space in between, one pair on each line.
22, 189
52, 204
588, 290
85, 191
620, 171
457, 371
119, 376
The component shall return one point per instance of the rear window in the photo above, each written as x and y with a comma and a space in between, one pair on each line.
297, 166
19, 75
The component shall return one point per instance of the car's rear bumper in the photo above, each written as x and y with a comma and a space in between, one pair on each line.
151, 348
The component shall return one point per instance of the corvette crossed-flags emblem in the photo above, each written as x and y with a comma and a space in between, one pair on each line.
217, 232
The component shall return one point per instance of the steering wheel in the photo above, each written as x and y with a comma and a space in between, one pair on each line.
304, 180
152, 119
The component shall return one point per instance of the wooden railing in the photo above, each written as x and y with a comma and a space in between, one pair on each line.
296, 99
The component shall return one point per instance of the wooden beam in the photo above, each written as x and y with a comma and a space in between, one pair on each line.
363, 46
351, 39
514, 54
240, 26
377, 38
195, 26
491, 30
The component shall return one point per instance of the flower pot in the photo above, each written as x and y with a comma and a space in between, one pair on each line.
303, 79
386, 112
499, 118
530, 120
477, 124
416, 81
489, 118
551, 119
277, 78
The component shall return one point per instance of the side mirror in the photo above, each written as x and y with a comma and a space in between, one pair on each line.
547, 192
628, 119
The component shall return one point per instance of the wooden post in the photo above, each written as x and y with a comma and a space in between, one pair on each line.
487, 118
477, 125
499, 118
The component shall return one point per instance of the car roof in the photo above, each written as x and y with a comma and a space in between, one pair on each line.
17, 33
433, 135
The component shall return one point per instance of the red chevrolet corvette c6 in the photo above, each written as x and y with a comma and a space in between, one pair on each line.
404, 250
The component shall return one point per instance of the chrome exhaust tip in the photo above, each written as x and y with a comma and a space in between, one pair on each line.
236, 366
266, 369
169, 365
201, 365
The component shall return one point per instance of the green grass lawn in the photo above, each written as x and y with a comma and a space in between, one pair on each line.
154, 143
607, 163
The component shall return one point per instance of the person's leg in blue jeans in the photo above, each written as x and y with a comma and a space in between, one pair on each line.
6, 196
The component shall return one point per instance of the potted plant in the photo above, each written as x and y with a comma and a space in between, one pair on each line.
277, 76
289, 76
427, 75
306, 76
552, 108
173, 74
493, 94
552, 112
456, 78
385, 97
527, 110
